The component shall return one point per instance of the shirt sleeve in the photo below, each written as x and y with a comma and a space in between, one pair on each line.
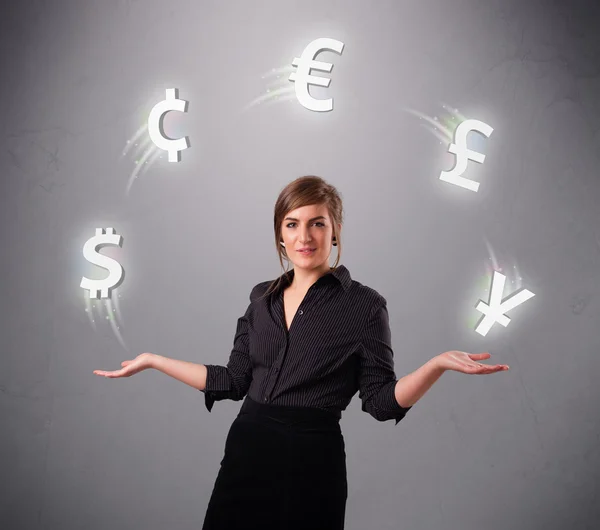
377, 380
231, 381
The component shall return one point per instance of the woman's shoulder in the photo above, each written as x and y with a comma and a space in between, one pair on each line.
259, 290
367, 294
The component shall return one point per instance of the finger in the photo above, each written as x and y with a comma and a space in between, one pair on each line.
483, 368
497, 368
486, 368
480, 356
493, 370
109, 374
116, 373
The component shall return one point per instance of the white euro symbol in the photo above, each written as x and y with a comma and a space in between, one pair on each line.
302, 77
494, 311
463, 154
155, 125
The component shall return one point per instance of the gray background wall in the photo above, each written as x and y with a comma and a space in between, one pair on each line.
518, 449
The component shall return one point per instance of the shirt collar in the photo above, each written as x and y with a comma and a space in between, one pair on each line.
340, 273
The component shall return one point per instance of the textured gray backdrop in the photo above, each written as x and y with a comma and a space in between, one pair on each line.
518, 449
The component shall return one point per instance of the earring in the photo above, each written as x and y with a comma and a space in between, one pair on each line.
282, 243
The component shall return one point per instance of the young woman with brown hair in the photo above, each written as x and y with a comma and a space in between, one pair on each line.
307, 343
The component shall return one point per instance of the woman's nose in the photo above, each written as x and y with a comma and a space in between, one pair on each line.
305, 236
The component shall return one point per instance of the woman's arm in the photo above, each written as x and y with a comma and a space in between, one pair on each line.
217, 382
191, 374
412, 387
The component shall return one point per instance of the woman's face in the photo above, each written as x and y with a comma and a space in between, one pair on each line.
309, 226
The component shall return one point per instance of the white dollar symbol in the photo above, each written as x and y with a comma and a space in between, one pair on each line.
463, 154
101, 288
302, 77
157, 134
494, 311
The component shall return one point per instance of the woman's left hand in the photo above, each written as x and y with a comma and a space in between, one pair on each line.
461, 361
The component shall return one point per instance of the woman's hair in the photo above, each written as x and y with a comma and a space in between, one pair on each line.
306, 191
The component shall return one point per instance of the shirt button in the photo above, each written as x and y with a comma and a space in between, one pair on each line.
266, 398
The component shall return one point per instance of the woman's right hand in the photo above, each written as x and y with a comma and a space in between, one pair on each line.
141, 362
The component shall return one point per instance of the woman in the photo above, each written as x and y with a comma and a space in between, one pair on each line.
308, 341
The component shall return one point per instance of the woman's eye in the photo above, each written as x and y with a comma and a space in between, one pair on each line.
317, 223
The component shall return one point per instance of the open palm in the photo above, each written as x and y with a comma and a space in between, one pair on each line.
141, 362
466, 363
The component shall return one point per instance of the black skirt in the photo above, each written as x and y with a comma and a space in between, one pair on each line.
284, 468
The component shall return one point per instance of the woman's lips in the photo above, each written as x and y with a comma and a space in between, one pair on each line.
306, 253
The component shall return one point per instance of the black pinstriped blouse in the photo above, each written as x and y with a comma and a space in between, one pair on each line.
339, 343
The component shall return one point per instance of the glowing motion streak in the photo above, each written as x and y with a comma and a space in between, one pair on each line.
117, 308
444, 135
113, 324
302, 77
89, 310
142, 163
276, 90
496, 266
157, 135
464, 154
137, 136
107, 305
454, 112
495, 309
